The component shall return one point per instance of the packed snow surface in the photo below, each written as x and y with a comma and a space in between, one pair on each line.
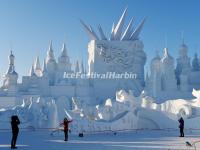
134, 140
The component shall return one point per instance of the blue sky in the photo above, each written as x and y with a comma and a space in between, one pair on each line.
27, 26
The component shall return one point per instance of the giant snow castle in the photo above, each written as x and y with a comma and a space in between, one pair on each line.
122, 52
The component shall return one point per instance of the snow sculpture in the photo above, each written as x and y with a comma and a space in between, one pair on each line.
183, 63
11, 77
195, 63
153, 84
51, 64
162, 79
37, 68
63, 61
196, 94
53, 114
168, 75
122, 53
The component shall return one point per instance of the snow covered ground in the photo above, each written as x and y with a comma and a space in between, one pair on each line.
135, 140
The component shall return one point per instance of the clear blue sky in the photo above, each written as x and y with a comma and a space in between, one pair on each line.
27, 26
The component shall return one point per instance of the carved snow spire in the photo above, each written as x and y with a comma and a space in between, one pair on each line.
50, 47
77, 67
119, 26
89, 31
103, 37
11, 76
11, 68
112, 32
117, 30
11, 58
155, 62
44, 68
167, 58
50, 54
195, 63
128, 31
63, 58
37, 64
136, 33
183, 50
37, 67
64, 51
32, 72
166, 53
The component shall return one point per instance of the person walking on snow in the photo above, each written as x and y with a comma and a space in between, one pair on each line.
15, 130
66, 128
181, 126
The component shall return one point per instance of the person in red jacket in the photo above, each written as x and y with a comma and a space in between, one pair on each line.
66, 127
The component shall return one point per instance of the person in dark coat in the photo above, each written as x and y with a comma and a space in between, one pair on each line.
15, 130
181, 126
66, 127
